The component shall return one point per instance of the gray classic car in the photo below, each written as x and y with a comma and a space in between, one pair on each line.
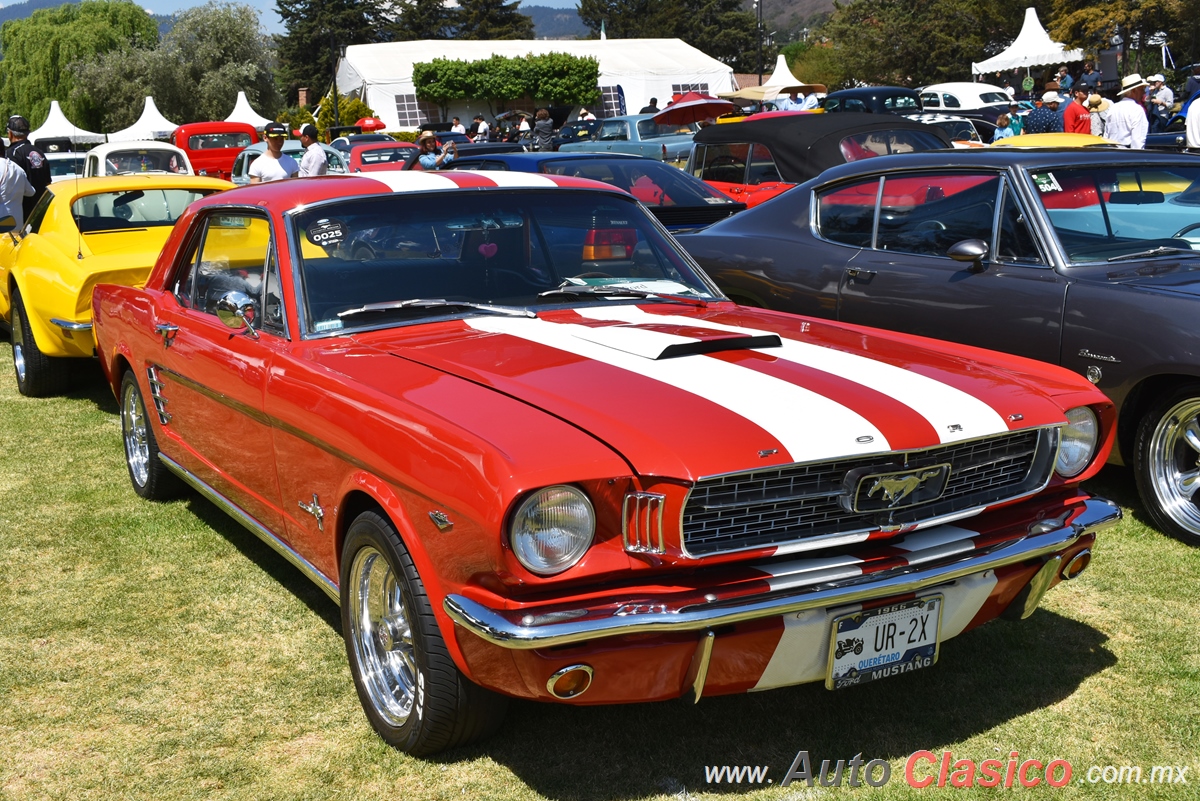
1088, 259
639, 135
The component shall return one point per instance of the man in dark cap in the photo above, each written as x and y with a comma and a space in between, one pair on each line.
22, 152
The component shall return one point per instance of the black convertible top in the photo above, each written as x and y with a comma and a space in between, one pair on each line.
804, 145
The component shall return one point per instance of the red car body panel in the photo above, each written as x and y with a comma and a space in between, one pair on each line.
208, 160
467, 416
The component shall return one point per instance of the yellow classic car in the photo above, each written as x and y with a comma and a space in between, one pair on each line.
82, 233
1055, 140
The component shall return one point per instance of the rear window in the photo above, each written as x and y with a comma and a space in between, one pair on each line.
215, 141
994, 97
902, 103
886, 142
138, 208
128, 161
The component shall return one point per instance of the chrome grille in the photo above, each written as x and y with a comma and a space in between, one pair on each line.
798, 502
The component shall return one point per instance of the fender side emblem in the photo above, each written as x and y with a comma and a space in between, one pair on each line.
440, 520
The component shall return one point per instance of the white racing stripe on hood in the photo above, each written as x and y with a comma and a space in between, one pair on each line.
810, 426
942, 405
410, 180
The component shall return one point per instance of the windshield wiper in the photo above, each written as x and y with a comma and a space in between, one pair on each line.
1164, 250
435, 303
612, 291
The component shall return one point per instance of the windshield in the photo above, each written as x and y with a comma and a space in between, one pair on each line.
217, 141
994, 97
652, 182
1103, 213
66, 165
648, 129
127, 161
503, 248
386, 154
885, 142
138, 208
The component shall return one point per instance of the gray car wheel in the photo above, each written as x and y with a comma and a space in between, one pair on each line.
150, 477
38, 375
1168, 463
414, 696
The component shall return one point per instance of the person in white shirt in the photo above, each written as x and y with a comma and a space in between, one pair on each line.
273, 164
314, 161
794, 102
584, 114
1162, 100
481, 129
458, 127
14, 188
1127, 124
1193, 126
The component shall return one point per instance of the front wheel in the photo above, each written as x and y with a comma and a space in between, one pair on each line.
1168, 463
38, 375
413, 694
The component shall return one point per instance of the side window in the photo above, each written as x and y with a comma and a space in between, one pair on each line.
39, 212
927, 213
613, 131
272, 299
762, 166
93, 166
185, 281
233, 258
931, 100
854, 105
1014, 242
847, 214
951, 100
725, 163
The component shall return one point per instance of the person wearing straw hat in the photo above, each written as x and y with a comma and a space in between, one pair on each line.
1127, 122
430, 158
1098, 110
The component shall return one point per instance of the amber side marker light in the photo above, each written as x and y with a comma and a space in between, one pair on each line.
1077, 565
570, 682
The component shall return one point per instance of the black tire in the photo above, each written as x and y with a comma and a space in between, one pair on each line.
1167, 463
38, 375
414, 696
150, 477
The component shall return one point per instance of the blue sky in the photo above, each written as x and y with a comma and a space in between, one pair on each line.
270, 19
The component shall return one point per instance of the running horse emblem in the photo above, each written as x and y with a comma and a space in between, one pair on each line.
896, 487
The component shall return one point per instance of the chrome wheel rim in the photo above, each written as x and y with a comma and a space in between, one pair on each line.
381, 635
18, 345
133, 427
1175, 463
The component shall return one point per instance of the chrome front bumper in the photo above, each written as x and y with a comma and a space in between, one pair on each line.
496, 628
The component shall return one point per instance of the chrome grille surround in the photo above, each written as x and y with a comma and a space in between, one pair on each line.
805, 506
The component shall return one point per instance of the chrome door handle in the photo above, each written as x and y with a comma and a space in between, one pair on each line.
167, 332
855, 272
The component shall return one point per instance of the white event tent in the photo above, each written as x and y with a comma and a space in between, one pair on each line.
242, 112
57, 126
1031, 48
151, 125
637, 69
781, 82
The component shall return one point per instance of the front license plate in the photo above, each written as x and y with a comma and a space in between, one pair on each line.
888, 641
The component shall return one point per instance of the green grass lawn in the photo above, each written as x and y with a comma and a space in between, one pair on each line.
159, 651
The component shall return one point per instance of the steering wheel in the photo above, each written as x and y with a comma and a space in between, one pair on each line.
1185, 229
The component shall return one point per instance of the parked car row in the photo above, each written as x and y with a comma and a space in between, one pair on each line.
532, 444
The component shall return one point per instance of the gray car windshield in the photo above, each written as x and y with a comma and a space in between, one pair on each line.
1122, 213
460, 253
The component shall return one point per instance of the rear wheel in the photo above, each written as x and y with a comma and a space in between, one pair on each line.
38, 375
150, 477
1168, 463
413, 694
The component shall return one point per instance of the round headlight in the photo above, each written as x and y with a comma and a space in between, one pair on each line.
1079, 438
552, 529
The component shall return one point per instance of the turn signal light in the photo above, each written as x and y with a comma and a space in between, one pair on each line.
609, 243
570, 682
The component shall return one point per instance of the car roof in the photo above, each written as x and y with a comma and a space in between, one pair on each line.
803, 144
873, 91
215, 127
80, 187
1002, 158
962, 86
538, 158
134, 144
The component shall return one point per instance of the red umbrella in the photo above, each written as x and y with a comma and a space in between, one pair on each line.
693, 107
371, 124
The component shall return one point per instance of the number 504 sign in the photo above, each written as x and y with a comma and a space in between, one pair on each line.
884, 642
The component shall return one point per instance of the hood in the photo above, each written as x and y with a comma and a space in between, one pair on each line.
1164, 275
687, 392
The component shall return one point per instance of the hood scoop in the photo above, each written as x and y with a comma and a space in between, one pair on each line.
672, 341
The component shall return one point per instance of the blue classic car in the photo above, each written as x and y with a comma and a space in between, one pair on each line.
680, 201
638, 135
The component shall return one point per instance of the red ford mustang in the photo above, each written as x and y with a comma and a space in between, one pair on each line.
507, 424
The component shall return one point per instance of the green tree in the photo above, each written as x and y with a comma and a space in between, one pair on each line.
315, 28
350, 111
39, 49
497, 80
492, 19
814, 62
423, 19
560, 79
1091, 26
631, 19
720, 28
443, 80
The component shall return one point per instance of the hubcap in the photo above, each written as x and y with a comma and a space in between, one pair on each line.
18, 344
382, 636
133, 427
1175, 463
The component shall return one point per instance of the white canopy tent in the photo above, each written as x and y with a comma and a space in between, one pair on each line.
57, 126
151, 125
242, 112
781, 82
637, 68
1031, 48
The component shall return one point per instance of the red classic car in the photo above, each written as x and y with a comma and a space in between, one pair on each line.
212, 146
506, 423
375, 156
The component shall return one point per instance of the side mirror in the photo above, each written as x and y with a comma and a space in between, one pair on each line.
237, 311
972, 250
7, 224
